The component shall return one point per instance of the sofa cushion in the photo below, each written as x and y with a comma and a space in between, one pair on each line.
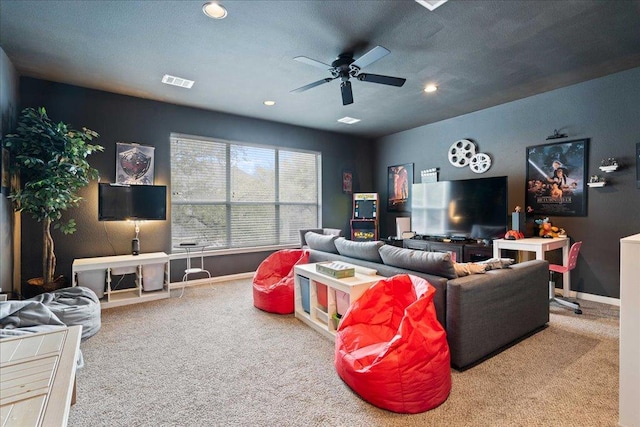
367, 251
436, 263
321, 242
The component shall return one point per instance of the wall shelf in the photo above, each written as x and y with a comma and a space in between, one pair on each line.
596, 184
608, 168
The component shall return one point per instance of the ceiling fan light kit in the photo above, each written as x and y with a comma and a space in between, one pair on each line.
345, 67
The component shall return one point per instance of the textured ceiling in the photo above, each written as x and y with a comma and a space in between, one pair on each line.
479, 53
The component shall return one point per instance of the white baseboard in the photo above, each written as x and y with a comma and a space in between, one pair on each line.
206, 280
595, 298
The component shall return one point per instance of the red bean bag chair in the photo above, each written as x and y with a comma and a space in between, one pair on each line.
390, 348
273, 281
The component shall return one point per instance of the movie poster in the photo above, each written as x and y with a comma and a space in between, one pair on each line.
400, 180
556, 178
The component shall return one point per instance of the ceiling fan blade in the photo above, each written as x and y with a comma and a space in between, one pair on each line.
347, 94
312, 62
312, 85
370, 57
385, 80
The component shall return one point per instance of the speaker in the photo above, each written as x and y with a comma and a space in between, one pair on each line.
135, 246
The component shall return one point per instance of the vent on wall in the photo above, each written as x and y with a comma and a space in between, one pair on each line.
177, 81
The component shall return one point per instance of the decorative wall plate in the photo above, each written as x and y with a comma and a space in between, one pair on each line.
480, 163
461, 152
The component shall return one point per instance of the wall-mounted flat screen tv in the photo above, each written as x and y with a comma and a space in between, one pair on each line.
132, 202
470, 208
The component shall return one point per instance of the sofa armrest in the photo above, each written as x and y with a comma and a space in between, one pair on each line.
486, 312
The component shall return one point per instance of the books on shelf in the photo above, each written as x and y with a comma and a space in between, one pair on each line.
336, 269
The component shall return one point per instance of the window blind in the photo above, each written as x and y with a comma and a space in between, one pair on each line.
236, 195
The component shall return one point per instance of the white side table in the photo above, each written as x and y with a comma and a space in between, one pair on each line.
192, 249
317, 318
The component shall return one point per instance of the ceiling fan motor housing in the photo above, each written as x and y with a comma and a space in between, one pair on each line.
341, 67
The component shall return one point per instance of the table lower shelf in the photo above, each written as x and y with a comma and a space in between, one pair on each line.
319, 325
132, 297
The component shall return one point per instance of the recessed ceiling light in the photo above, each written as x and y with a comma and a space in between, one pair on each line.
177, 81
269, 103
430, 88
214, 10
348, 120
431, 4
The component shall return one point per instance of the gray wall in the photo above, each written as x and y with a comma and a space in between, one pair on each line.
8, 112
127, 119
604, 110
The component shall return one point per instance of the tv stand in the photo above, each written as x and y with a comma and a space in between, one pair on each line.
99, 271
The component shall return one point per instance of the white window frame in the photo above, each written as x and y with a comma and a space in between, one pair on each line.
174, 137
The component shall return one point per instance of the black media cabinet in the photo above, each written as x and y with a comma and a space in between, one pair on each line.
464, 251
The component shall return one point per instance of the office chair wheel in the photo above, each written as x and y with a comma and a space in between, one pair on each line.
578, 311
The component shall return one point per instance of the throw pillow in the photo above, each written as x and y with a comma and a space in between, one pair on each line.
367, 251
321, 242
436, 263
497, 263
467, 268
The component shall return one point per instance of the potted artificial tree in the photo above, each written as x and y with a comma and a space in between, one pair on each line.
51, 162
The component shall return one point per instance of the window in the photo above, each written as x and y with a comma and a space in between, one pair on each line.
235, 195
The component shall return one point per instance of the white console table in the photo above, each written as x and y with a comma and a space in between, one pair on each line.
539, 245
317, 318
133, 263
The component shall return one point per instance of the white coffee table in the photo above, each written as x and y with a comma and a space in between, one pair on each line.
37, 377
317, 318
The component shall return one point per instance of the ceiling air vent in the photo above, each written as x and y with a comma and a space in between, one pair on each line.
431, 4
177, 81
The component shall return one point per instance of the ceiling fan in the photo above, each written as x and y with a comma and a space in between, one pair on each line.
344, 67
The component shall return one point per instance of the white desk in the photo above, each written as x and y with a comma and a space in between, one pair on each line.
38, 374
538, 245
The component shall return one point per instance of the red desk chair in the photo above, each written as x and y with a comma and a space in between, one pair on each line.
554, 268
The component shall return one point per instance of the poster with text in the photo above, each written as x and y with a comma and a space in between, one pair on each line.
556, 178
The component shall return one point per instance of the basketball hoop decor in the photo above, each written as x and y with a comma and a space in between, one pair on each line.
134, 163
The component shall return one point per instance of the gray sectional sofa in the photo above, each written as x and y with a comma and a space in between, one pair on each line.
482, 313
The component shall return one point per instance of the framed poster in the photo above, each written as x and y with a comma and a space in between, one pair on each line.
134, 163
400, 178
347, 182
557, 177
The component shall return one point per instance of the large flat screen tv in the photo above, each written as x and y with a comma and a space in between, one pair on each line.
131, 202
470, 208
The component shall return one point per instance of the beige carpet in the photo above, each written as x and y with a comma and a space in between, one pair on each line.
212, 359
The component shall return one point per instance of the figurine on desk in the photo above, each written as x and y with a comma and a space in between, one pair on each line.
547, 230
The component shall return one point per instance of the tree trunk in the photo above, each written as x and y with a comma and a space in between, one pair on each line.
48, 256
